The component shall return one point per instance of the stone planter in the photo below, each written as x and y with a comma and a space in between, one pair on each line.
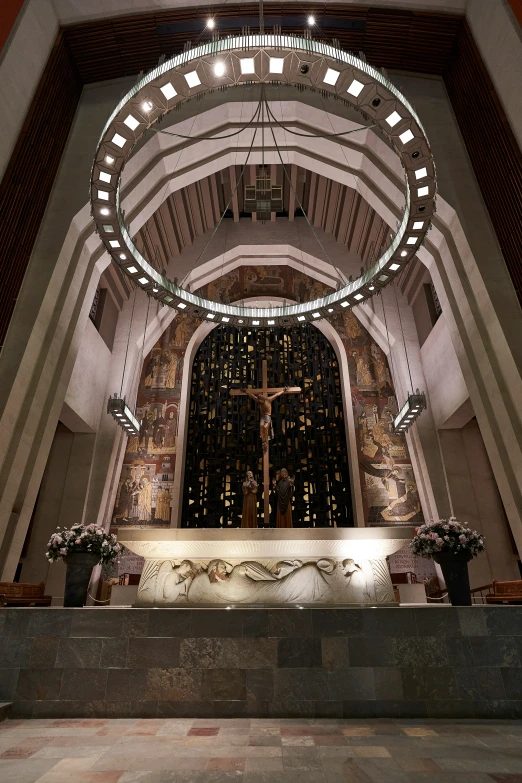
455, 571
79, 570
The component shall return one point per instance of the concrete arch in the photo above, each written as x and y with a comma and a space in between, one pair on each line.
332, 336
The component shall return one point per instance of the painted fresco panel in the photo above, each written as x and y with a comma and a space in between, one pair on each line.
147, 476
388, 484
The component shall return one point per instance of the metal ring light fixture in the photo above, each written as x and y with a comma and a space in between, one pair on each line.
263, 59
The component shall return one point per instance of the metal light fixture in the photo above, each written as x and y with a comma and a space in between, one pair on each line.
192, 73
122, 415
410, 411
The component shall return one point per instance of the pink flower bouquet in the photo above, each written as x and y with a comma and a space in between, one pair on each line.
446, 536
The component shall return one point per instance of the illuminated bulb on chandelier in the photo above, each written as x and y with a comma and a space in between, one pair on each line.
219, 69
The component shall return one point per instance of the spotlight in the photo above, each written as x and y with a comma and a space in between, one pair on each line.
147, 106
415, 154
304, 69
123, 256
219, 69
376, 102
311, 20
211, 24
104, 211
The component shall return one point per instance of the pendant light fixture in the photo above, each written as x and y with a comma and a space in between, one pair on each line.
415, 402
116, 404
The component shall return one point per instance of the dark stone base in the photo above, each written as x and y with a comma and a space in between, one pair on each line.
5, 708
432, 662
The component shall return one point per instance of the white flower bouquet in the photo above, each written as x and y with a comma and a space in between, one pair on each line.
83, 538
446, 536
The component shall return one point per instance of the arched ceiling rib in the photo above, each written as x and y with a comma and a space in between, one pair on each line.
192, 211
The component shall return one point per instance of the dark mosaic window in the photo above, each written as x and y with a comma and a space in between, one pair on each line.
223, 432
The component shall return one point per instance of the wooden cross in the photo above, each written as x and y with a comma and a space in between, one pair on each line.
274, 391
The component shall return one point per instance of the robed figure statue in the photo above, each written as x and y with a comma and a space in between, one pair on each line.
284, 489
249, 517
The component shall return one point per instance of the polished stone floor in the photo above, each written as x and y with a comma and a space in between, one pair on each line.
260, 751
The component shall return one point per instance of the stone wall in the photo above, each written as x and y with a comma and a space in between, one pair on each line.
427, 662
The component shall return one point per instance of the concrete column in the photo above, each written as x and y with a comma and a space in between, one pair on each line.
60, 503
476, 501
35, 568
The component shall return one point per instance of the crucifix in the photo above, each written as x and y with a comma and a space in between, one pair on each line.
264, 398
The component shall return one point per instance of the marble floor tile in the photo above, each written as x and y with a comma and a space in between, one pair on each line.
24, 770
370, 751
185, 750
264, 765
227, 764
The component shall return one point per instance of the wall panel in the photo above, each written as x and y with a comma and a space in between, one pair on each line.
27, 183
492, 147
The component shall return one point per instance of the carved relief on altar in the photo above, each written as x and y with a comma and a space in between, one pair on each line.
218, 581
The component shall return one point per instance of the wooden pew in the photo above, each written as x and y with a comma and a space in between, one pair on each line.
505, 593
23, 594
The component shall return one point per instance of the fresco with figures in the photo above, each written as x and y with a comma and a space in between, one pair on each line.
390, 493
147, 477
389, 490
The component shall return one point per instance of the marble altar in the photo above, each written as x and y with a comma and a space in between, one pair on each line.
256, 567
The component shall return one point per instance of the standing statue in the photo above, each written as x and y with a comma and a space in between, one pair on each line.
123, 509
266, 428
284, 489
144, 505
250, 486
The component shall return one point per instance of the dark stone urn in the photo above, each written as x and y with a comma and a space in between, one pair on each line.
454, 567
79, 570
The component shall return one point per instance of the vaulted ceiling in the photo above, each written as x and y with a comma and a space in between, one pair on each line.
188, 213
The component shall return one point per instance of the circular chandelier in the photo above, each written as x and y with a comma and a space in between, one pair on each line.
263, 59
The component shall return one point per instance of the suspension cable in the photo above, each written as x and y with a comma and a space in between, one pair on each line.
403, 338
289, 180
231, 196
128, 341
320, 135
388, 338
206, 138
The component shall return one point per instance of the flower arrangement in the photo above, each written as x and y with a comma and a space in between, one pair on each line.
446, 536
81, 538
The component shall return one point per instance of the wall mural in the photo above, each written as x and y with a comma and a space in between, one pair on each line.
388, 484
147, 477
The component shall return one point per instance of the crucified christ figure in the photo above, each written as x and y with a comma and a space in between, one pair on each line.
264, 398
265, 406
